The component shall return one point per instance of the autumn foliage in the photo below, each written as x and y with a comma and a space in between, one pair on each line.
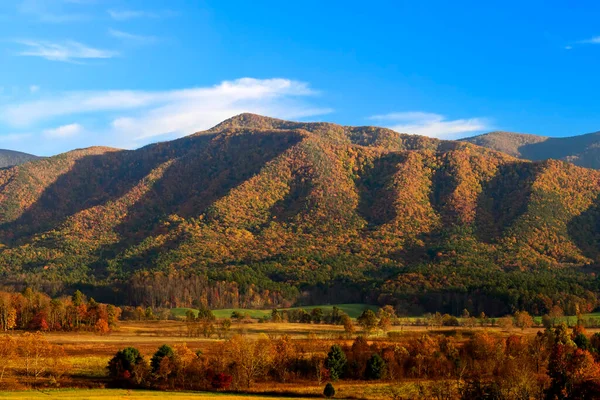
259, 212
485, 365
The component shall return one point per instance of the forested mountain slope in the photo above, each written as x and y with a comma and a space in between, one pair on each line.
9, 158
582, 150
261, 212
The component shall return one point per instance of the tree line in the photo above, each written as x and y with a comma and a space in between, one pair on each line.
558, 363
32, 310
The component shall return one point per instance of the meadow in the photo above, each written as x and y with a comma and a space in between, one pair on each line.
86, 355
353, 310
101, 394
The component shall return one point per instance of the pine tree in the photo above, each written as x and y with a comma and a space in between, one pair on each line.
336, 362
375, 367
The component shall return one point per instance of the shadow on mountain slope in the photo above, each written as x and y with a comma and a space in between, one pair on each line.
91, 181
559, 148
194, 182
204, 169
504, 199
584, 230
376, 190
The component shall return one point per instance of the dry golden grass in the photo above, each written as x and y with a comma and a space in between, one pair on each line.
88, 355
89, 351
101, 394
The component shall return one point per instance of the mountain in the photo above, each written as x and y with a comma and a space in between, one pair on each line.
260, 212
582, 150
10, 158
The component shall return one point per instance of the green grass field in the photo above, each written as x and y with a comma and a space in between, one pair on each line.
353, 310
101, 394
570, 320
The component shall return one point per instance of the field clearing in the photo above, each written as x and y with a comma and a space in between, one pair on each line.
93, 394
87, 355
261, 391
353, 310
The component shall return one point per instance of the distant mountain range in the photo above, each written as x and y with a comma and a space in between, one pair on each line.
583, 150
259, 212
9, 158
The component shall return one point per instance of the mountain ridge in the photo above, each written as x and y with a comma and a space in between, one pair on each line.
582, 150
264, 212
10, 158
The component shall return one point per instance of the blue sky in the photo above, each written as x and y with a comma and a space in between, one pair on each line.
124, 73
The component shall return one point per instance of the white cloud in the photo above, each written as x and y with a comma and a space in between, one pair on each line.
64, 131
432, 125
125, 118
34, 88
124, 15
593, 40
131, 37
67, 51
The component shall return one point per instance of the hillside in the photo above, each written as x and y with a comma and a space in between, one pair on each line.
582, 150
9, 158
258, 212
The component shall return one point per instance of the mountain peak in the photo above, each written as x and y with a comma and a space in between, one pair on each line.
250, 121
507, 142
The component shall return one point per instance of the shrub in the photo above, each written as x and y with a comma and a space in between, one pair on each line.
329, 391
221, 381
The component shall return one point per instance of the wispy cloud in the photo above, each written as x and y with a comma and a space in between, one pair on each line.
34, 88
124, 15
125, 118
67, 51
432, 125
50, 11
64, 131
592, 40
131, 37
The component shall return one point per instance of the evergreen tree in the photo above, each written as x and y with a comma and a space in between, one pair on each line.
336, 362
375, 367
162, 352
124, 365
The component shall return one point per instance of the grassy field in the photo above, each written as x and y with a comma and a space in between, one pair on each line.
87, 355
264, 391
93, 394
353, 310
570, 320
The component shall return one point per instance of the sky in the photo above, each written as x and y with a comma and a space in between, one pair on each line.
126, 73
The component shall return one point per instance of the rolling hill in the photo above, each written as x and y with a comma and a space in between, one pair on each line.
10, 158
258, 212
582, 150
